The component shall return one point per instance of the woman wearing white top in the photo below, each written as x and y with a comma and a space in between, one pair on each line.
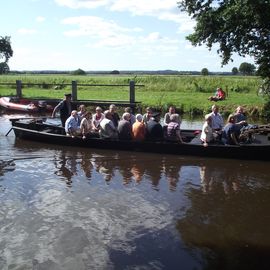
97, 118
86, 124
207, 135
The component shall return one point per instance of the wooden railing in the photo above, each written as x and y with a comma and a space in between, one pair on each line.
74, 90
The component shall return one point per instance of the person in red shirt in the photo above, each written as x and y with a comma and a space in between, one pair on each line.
219, 95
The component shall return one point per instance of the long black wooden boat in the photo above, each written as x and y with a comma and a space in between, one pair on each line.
38, 130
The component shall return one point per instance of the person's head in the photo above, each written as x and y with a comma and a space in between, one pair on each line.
108, 114
231, 119
67, 96
171, 109
127, 109
126, 116
156, 116
149, 110
88, 115
82, 108
215, 108
139, 117
175, 118
74, 113
239, 109
98, 110
112, 108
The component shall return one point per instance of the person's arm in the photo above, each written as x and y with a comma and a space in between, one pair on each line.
57, 108
83, 127
166, 119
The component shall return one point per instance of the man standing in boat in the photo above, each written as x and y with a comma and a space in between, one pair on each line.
65, 108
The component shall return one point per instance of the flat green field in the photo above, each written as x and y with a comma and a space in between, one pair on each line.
188, 93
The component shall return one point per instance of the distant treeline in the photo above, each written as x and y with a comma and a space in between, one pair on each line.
123, 72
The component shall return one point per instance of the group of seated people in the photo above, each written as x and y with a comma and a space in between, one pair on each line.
214, 130
109, 125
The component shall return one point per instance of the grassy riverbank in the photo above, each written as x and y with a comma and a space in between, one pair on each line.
188, 93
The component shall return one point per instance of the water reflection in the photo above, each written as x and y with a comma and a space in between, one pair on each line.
131, 210
223, 175
230, 223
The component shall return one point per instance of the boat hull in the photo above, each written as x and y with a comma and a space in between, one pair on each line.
43, 133
24, 105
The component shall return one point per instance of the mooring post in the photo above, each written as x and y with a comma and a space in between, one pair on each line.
74, 90
132, 92
18, 88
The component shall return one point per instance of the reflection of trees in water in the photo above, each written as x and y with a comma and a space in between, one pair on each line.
232, 229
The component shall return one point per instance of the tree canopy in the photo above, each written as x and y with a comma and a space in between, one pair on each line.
247, 68
238, 26
205, 72
5, 48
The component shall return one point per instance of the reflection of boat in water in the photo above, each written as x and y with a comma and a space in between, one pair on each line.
24, 105
34, 130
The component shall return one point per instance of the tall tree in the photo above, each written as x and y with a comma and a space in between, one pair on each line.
247, 68
234, 70
5, 53
205, 72
238, 26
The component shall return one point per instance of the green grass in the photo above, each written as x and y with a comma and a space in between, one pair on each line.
188, 93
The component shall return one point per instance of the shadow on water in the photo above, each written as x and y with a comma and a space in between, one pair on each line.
131, 210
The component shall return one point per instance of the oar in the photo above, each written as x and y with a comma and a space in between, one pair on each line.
9, 131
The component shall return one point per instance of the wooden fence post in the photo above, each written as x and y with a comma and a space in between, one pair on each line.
132, 92
19, 88
74, 90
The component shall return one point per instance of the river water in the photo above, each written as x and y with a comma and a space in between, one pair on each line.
70, 208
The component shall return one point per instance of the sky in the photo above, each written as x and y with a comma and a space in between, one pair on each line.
104, 35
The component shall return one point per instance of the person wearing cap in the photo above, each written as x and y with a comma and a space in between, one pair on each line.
138, 128
64, 107
154, 130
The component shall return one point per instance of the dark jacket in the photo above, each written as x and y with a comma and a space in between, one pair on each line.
154, 130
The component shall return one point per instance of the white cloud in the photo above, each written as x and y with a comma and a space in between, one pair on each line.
40, 19
26, 31
76, 4
160, 9
94, 26
142, 7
